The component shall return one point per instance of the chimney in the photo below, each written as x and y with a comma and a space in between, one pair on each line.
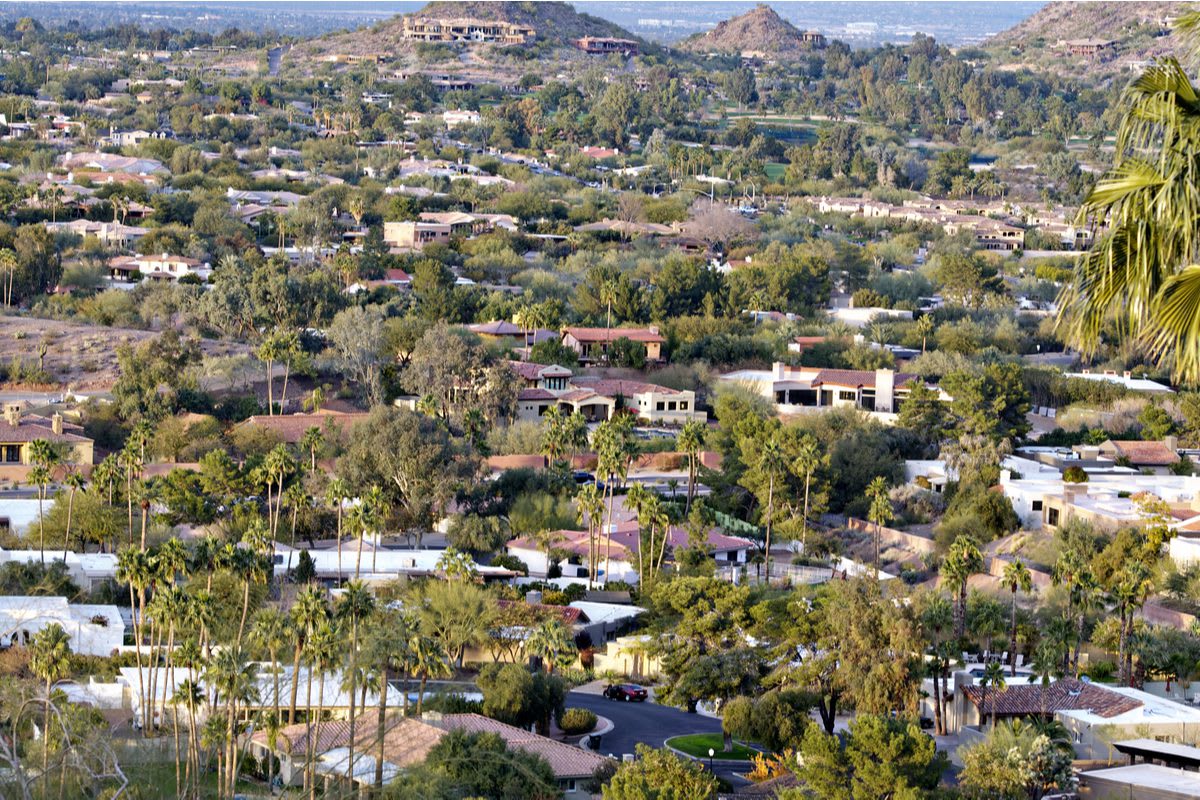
1172, 443
885, 390
533, 597
1127, 374
56, 423
12, 414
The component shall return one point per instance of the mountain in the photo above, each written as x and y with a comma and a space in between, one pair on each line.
760, 30
1139, 30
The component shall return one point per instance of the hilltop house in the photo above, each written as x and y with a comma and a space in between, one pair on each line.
553, 386
431, 29
162, 267
18, 431
602, 45
591, 344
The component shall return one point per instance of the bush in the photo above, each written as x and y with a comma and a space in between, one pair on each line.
1075, 475
1101, 670
575, 721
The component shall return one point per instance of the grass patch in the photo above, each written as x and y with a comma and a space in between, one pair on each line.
774, 170
698, 744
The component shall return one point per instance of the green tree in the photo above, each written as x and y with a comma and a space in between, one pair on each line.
1017, 578
660, 775
50, 660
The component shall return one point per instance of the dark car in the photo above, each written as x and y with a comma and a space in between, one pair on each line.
630, 692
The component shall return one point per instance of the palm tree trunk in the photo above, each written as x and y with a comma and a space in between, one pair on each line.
312, 789
41, 525
381, 728
295, 683
1012, 637
70, 512
270, 387
770, 521
804, 519
937, 698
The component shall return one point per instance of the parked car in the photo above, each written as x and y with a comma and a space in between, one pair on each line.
629, 692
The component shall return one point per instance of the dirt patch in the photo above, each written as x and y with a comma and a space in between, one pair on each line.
81, 357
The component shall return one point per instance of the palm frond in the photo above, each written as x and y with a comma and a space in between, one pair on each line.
1174, 329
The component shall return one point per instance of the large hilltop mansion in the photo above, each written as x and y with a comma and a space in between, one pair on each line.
427, 29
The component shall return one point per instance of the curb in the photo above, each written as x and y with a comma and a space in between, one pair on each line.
716, 762
604, 725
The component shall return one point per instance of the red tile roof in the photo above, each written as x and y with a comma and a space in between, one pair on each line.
566, 760
858, 378
567, 615
31, 428
611, 387
1067, 694
535, 394
291, 427
1142, 453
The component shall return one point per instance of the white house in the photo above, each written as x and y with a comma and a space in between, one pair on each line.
378, 565
159, 267
95, 630
794, 390
1126, 379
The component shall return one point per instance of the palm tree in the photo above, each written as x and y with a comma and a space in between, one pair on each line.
936, 618
272, 632
1131, 584
189, 694
336, 494
1044, 667
311, 441
1086, 599
388, 649
308, 612
771, 465
324, 650
74, 482
962, 561
808, 458
134, 569
880, 512
552, 643
50, 660
355, 605
590, 501
1144, 271
993, 676
690, 441
1016, 577
172, 605
39, 476
8, 265
429, 661
925, 329
235, 681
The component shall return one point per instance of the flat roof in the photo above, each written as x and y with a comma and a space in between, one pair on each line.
1181, 754
1148, 776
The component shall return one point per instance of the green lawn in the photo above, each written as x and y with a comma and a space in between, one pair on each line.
697, 744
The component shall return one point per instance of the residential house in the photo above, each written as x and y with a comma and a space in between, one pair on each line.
1089, 48
1126, 379
591, 344
453, 118
431, 29
800, 389
1156, 457
415, 235
87, 570
290, 428
161, 267
110, 162
1107, 501
93, 630
19, 430
552, 386
602, 45
109, 234
510, 334
377, 564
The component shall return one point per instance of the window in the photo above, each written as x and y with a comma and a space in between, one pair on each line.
847, 395
1037, 505
683, 405
671, 406
659, 406
12, 453
1052, 517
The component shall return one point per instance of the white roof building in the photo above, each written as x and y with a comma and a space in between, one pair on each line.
1126, 379
95, 630
378, 566
86, 569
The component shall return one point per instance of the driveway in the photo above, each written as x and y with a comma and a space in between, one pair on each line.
644, 723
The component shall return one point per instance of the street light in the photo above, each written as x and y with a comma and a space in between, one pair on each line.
711, 753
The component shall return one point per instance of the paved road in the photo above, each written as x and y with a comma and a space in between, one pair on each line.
646, 723
641, 723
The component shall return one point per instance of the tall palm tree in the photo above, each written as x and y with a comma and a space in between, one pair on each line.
808, 458
354, 606
311, 441
272, 632
308, 612
336, 494
74, 483
235, 680
324, 651
690, 440
1086, 596
936, 618
39, 476
134, 569
1016, 577
1131, 585
772, 465
430, 660
590, 502
189, 694
50, 660
388, 649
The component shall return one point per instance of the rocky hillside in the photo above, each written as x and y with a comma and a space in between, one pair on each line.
1139, 30
557, 25
760, 31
